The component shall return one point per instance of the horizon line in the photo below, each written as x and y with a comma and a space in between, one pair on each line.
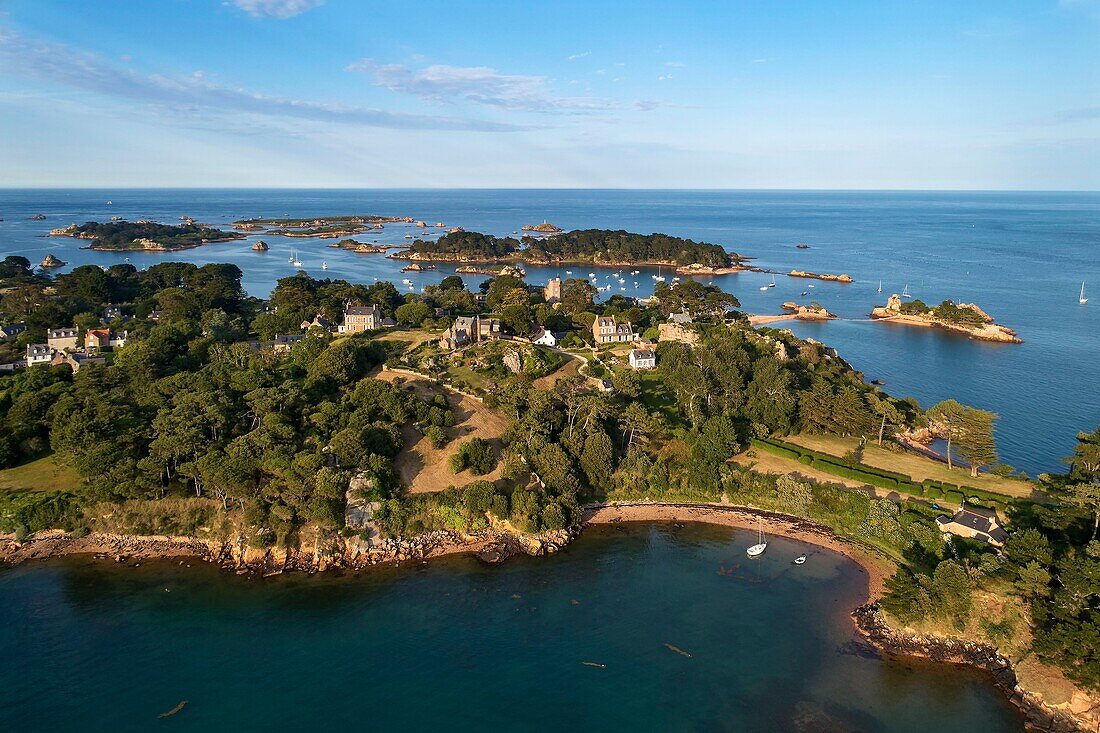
4, 187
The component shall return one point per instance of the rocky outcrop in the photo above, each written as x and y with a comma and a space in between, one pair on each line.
987, 330
871, 623
842, 278
812, 312
260, 246
49, 262
544, 228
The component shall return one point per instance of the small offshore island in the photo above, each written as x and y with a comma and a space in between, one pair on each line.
148, 236
341, 426
328, 227
964, 318
596, 247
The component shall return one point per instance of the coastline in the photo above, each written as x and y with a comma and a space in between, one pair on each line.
993, 333
496, 545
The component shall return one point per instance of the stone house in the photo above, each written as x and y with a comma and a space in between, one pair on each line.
360, 318
552, 292
468, 330
60, 339
319, 321
76, 360
609, 330
10, 330
284, 342
974, 523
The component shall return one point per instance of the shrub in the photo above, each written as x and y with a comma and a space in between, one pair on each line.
953, 497
475, 454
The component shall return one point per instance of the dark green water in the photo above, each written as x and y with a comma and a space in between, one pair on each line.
460, 646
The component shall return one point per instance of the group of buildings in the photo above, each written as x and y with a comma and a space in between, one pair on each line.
68, 344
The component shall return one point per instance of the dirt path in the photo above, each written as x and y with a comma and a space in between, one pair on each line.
425, 469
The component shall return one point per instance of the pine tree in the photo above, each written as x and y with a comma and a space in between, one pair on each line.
976, 443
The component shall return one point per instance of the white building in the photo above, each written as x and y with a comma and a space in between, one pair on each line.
643, 359
39, 354
544, 338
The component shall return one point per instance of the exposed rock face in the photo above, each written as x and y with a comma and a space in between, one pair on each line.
49, 261
812, 312
260, 246
513, 360
1039, 716
677, 332
985, 331
544, 228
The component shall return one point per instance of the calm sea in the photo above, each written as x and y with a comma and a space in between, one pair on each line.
456, 645
1021, 256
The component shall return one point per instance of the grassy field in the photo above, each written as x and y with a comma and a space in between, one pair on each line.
45, 474
917, 466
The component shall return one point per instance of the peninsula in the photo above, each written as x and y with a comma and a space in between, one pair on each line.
148, 236
964, 318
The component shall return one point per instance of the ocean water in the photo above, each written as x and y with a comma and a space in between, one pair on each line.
1021, 256
461, 646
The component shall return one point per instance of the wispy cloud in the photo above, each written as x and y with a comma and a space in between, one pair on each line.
281, 9
675, 64
1081, 114
60, 64
575, 56
480, 85
760, 61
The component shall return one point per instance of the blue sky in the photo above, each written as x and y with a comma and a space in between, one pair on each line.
335, 93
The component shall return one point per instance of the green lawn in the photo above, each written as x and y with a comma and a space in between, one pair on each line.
45, 474
917, 466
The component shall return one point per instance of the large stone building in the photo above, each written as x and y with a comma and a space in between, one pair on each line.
60, 339
608, 330
468, 330
360, 318
552, 292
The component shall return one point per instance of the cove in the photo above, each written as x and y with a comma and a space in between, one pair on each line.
460, 645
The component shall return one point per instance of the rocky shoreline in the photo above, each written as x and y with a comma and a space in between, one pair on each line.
1038, 715
333, 553
987, 330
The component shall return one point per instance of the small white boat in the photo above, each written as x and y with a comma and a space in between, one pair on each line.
324, 265
763, 288
568, 272
813, 286
407, 281
591, 274
905, 293
772, 283
109, 203
293, 256
761, 544
805, 293
297, 262
1081, 298
880, 286
800, 560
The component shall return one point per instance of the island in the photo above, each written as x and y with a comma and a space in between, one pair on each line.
50, 262
143, 235
842, 278
321, 227
260, 246
964, 318
596, 247
544, 228
362, 247
812, 312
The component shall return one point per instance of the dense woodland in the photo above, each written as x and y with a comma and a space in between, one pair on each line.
195, 426
587, 245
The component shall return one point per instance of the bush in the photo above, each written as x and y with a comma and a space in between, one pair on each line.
475, 454
436, 435
953, 497
934, 493
806, 460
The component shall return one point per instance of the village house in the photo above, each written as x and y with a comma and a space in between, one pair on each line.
155, 315
643, 359
111, 313
76, 360
10, 330
974, 523
60, 339
284, 342
608, 330
552, 292
39, 354
97, 338
467, 330
544, 337
319, 321
360, 318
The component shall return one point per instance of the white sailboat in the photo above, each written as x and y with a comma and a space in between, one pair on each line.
772, 284
905, 293
324, 265
761, 544
800, 560
880, 286
659, 277
296, 262
1081, 298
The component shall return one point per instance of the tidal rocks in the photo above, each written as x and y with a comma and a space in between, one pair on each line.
49, 262
260, 246
842, 278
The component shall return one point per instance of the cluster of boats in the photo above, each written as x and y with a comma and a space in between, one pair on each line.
762, 545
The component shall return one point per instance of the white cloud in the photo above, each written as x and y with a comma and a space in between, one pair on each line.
479, 85
59, 64
281, 9
675, 64
576, 56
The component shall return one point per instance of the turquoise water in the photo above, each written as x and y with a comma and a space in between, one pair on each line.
1021, 256
461, 646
